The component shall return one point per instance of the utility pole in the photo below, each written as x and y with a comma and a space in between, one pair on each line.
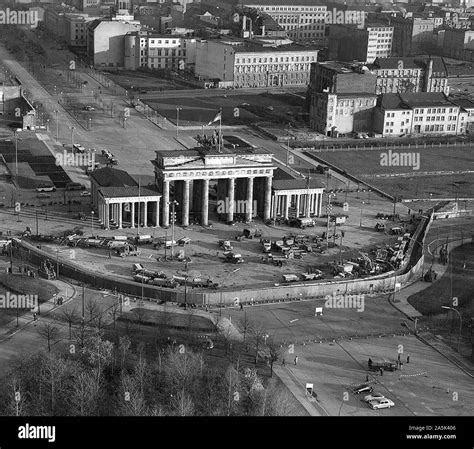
173, 203
177, 121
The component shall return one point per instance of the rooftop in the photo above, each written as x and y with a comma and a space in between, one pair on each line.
414, 100
464, 103
112, 177
120, 192
284, 180
259, 45
409, 63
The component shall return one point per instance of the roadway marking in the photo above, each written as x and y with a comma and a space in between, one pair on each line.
296, 319
429, 409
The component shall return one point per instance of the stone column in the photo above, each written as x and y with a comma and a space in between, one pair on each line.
231, 199
249, 208
268, 198
185, 204
107, 211
120, 215
132, 210
205, 203
287, 205
166, 207
157, 209
145, 214
298, 197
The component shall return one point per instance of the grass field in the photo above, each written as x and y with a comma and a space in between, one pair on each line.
367, 165
236, 109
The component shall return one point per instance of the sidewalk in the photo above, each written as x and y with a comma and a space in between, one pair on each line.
401, 297
25, 319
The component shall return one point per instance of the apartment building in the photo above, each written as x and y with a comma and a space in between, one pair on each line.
350, 43
155, 51
410, 75
412, 36
243, 63
418, 113
301, 19
341, 97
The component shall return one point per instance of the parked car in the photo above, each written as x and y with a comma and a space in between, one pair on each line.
45, 188
373, 396
85, 193
88, 108
381, 403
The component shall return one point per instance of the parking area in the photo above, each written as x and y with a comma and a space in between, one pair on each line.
426, 386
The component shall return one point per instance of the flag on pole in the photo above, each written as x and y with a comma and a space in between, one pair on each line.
216, 118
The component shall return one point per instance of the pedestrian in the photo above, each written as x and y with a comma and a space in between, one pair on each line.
381, 371
367, 378
241, 306
399, 357
283, 362
34, 316
401, 366
296, 360
408, 359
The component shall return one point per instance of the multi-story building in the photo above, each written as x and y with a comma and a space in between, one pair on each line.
412, 36
457, 41
76, 29
301, 19
410, 75
243, 63
467, 107
418, 113
350, 43
155, 51
342, 98
106, 42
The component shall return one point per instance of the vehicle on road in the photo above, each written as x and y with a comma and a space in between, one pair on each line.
363, 389
88, 108
85, 193
74, 186
225, 245
378, 363
381, 403
233, 258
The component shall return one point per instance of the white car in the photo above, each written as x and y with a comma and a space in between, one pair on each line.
381, 403
45, 188
373, 397
85, 193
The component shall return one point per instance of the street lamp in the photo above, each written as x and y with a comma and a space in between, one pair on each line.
56, 112
360, 221
15, 135
177, 121
460, 322
92, 223
173, 204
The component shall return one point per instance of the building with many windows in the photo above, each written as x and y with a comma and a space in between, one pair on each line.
418, 113
243, 63
407, 74
350, 43
155, 51
301, 19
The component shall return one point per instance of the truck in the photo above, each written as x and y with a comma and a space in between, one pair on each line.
142, 239
267, 245
303, 223
378, 363
233, 258
225, 245
291, 278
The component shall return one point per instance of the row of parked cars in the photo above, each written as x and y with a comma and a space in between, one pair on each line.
373, 399
159, 278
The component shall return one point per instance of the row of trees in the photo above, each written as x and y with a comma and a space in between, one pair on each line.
106, 378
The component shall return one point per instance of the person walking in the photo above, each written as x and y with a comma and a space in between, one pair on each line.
241, 306
381, 371
296, 360
408, 359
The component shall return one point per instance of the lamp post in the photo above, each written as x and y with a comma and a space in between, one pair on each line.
460, 322
56, 112
15, 135
177, 121
360, 221
173, 204
92, 224
72, 128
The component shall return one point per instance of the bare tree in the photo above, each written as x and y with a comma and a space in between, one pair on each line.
140, 314
274, 353
49, 332
114, 310
80, 334
92, 308
257, 335
244, 326
71, 317
182, 404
